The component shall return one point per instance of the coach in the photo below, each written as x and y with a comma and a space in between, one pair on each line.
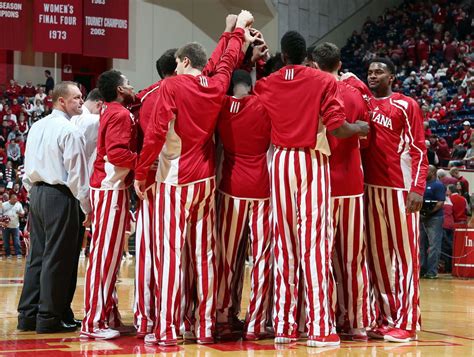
57, 181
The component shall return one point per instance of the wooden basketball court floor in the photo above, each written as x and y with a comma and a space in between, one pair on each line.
447, 313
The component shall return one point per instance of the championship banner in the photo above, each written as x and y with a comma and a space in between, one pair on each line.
57, 26
106, 28
13, 24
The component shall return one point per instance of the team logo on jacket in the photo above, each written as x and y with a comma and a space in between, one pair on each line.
381, 119
203, 81
234, 107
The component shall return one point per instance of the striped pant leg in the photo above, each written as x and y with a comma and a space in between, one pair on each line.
202, 223
110, 208
173, 204
350, 265
231, 222
406, 236
286, 258
393, 242
314, 231
260, 236
144, 304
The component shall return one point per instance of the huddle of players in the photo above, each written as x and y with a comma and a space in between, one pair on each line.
310, 210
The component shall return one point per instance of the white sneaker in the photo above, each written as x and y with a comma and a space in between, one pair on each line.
150, 339
101, 334
19, 257
129, 256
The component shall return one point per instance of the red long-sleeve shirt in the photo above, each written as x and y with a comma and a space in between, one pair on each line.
396, 152
244, 129
347, 177
183, 122
295, 97
116, 149
148, 98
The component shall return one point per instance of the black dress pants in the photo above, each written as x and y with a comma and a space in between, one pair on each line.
54, 222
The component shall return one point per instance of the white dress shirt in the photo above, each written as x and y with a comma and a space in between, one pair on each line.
88, 124
55, 154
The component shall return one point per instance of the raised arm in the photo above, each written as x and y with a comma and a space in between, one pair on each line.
211, 64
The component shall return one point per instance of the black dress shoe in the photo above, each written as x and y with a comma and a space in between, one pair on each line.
78, 323
25, 326
61, 327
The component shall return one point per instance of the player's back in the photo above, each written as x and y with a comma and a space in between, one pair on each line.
188, 154
244, 130
115, 119
345, 161
295, 97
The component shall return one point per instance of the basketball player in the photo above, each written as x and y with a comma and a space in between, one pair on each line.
145, 269
347, 185
112, 175
244, 202
181, 129
295, 97
395, 168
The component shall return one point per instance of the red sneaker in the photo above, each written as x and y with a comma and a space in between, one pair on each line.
379, 332
399, 335
323, 341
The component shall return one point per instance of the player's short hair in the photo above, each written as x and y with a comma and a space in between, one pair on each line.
62, 90
293, 45
95, 95
166, 64
328, 56
48, 72
273, 64
108, 82
385, 61
241, 77
11, 195
452, 188
195, 53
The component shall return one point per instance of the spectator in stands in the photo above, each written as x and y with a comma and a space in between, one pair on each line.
432, 157
457, 156
49, 85
28, 90
464, 135
431, 225
13, 90
460, 205
440, 146
440, 92
37, 110
15, 107
14, 153
411, 81
40, 95
448, 233
10, 117
11, 211
445, 179
23, 126
457, 175
469, 158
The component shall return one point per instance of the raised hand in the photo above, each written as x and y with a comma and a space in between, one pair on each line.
230, 22
244, 19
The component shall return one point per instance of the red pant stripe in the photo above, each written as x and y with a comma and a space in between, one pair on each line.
110, 211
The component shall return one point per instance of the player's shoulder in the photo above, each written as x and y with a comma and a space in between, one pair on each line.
143, 94
403, 101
